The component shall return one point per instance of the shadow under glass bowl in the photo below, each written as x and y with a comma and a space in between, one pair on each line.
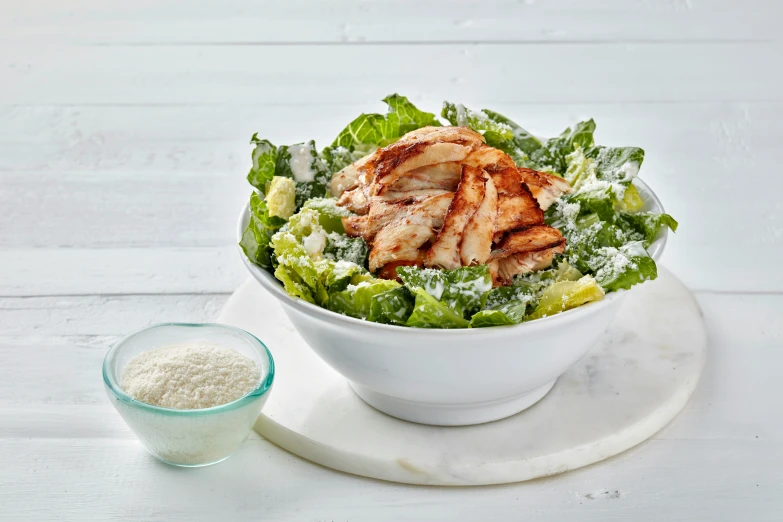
451, 377
189, 437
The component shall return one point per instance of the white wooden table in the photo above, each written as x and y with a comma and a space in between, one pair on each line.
123, 149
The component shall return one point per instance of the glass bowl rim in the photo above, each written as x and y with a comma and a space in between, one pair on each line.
264, 382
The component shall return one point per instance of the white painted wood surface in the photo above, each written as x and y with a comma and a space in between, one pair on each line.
123, 131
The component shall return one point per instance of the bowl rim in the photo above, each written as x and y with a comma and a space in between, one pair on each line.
274, 287
264, 381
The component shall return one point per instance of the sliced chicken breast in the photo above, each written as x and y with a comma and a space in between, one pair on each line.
400, 240
517, 208
531, 239
356, 200
419, 148
504, 270
488, 157
445, 252
545, 187
523, 251
441, 176
382, 213
348, 178
477, 238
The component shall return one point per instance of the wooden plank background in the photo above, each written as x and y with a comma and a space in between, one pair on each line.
123, 149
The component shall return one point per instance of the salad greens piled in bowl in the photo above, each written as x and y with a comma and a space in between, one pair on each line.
463, 221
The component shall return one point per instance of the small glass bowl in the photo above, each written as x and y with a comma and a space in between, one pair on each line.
189, 437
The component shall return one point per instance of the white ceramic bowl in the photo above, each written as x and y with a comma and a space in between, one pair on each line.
450, 377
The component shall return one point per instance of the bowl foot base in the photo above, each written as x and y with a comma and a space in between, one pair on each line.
438, 414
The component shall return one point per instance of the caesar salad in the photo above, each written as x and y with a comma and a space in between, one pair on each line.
461, 221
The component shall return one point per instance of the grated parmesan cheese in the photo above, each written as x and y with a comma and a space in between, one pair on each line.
190, 376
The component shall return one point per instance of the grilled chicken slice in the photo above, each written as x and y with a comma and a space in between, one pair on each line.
546, 188
348, 178
460, 135
523, 251
441, 176
419, 148
477, 238
394, 197
517, 208
413, 226
435, 205
531, 239
504, 270
399, 242
445, 252
357, 200
489, 158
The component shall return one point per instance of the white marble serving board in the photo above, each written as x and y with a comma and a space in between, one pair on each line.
631, 384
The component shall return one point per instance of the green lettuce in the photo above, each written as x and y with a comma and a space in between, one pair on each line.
296, 269
580, 136
286, 161
329, 214
429, 312
565, 295
341, 247
259, 231
495, 132
623, 267
646, 224
356, 300
264, 157
462, 290
504, 306
393, 306
369, 131
303, 158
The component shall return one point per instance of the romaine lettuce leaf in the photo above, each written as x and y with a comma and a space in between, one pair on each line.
497, 133
259, 231
578, 136
375, 130
391, 307
341, 247
463, 290
264, 156
647, 224
339, 157
522, 139
301, 163
504, 306
337, 275
525, 149
297, 269
565, 295
623, 267
356, 300
304, 223
428, 312
616, 165
330, 215
534, 283
632, 201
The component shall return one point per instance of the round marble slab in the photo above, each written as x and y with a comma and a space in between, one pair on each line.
633, 382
